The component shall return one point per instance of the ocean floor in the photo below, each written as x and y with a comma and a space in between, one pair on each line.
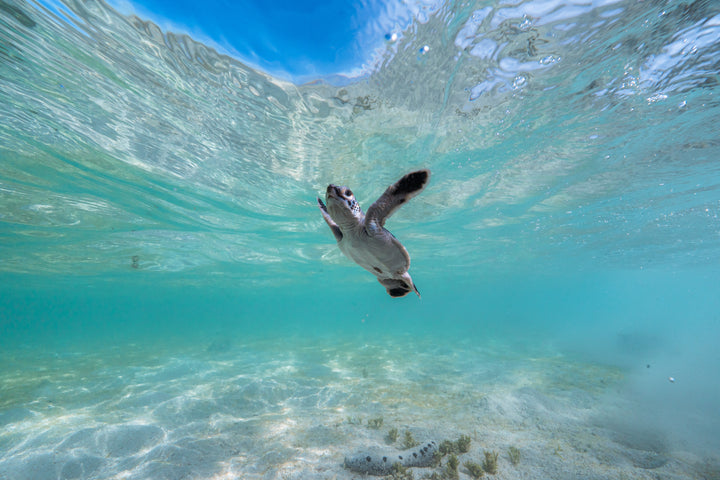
294, 408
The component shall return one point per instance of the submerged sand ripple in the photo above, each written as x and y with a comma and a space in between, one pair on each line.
263, 410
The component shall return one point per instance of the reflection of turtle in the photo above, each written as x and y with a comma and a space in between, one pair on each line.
363, 239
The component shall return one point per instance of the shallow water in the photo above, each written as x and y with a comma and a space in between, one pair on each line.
173, 306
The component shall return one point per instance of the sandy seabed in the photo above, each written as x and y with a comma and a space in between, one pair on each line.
293, 409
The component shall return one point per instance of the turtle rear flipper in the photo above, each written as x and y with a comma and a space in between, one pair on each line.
397, 288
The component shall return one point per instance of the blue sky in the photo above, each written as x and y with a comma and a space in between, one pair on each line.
298, 40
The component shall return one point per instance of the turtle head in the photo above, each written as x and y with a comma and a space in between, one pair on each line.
342, 206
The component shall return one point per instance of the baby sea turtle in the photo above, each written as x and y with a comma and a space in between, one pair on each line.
364, 240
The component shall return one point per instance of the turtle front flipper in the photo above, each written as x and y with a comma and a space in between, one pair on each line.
333, 226
395, 195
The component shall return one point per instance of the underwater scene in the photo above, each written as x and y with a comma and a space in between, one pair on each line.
174, 304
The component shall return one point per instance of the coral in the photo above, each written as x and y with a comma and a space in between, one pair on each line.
398, 472
393, 435
462, 445
433, 476
514, 455
446, 446
475, 470
490, 462
375, 423
451, 468
409, 441
354, 420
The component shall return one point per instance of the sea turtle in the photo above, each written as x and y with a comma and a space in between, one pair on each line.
364, 240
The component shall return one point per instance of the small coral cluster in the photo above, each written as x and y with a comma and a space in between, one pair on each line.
409, 441
451, 449
375, 423
490, 462
461, 445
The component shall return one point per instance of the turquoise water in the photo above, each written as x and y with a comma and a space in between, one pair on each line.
172, 304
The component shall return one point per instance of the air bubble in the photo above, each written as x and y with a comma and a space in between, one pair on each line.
519, 81
525, 24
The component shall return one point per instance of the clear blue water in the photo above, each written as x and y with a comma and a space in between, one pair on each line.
172, 304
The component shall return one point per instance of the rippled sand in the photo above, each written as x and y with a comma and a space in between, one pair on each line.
294, 408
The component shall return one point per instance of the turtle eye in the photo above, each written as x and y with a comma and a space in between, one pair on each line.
348, 193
